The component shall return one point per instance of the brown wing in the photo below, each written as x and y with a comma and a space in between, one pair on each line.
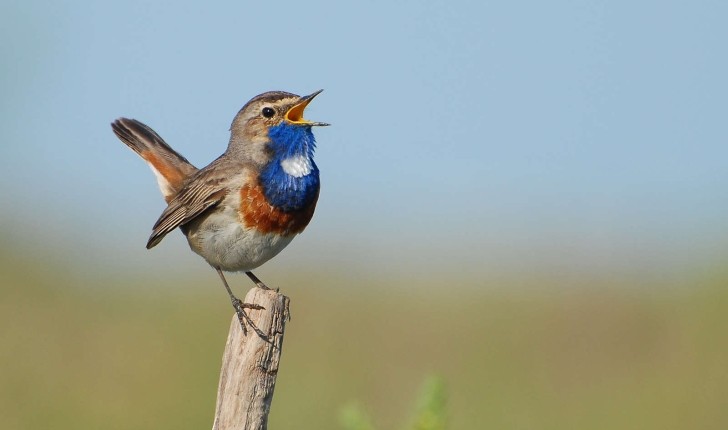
203, 191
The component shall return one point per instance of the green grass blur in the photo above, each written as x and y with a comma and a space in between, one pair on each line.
431, 412
117, 352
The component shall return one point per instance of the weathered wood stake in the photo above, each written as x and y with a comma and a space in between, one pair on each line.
250, 365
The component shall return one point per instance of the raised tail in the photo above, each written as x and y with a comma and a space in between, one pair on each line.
168, 165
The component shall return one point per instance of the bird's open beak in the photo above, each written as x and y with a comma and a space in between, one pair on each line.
295, 114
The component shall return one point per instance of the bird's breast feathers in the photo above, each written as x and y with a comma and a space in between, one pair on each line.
257, 212
246, 230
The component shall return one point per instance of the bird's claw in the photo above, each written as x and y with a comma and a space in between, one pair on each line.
243, 317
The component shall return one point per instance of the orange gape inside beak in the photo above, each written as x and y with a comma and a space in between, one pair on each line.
295, 114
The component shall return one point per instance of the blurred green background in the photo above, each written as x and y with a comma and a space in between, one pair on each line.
145, 353
529, 199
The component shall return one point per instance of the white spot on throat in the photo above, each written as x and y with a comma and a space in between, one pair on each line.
297, 166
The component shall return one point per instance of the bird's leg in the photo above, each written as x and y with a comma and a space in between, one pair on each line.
257, 281
260, 284
240, 308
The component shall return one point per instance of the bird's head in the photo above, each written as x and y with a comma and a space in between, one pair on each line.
271, 125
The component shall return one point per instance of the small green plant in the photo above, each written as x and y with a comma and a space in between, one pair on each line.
353, 418
431, 413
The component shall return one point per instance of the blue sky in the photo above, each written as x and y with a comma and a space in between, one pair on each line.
467, 137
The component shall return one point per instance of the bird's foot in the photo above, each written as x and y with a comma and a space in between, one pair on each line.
244, 318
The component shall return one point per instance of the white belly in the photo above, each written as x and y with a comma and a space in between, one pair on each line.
225, 243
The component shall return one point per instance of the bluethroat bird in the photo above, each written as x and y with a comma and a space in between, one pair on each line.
245, 207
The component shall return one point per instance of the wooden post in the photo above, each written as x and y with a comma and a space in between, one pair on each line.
250, 364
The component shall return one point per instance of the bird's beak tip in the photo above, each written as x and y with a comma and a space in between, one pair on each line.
295, 114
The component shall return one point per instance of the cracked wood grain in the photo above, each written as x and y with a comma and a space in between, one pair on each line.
250, 364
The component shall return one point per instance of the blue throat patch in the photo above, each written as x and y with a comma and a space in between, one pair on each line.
286, 192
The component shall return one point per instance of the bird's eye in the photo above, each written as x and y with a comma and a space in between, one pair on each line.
268, 112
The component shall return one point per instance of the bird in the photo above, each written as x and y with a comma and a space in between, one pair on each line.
247, 205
